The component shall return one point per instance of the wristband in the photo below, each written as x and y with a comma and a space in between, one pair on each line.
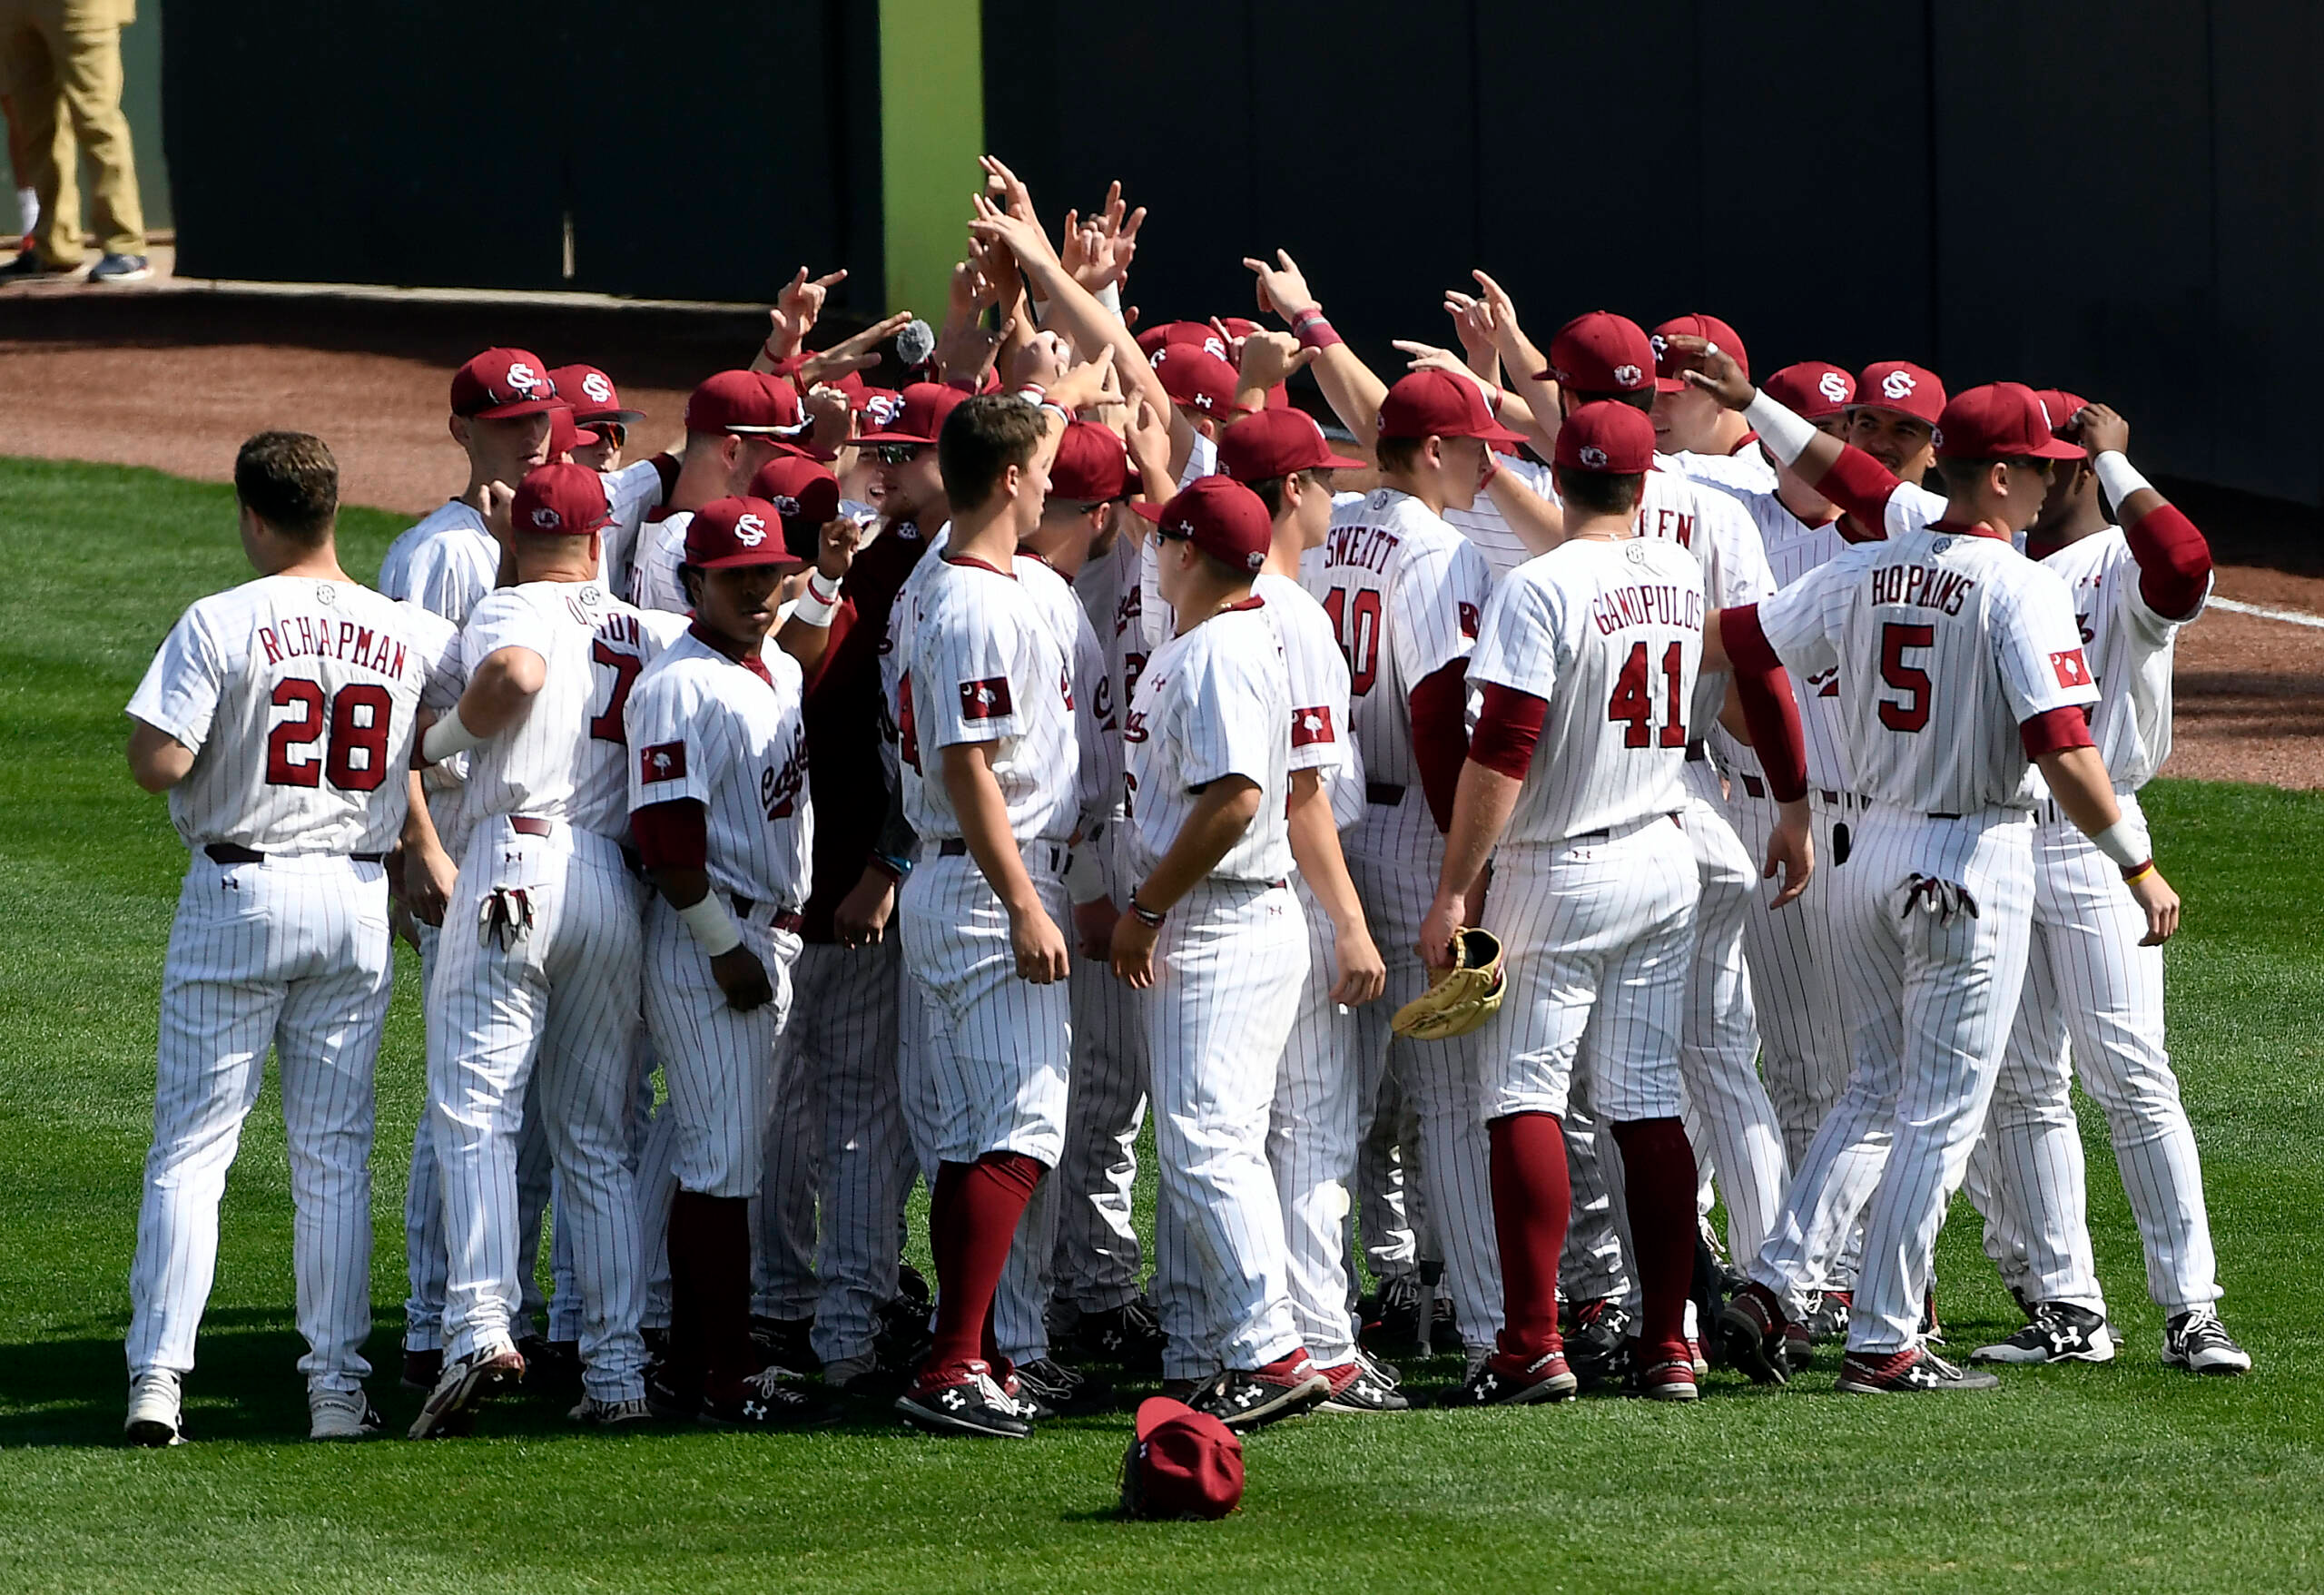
1150, 918
448, 736
1085, 880
893, 866
1110, 296
1497, 397
1492, 469
2132, 876
811, 608
712, 927
2119, 478
2126, 843
1313, 331
1786, 434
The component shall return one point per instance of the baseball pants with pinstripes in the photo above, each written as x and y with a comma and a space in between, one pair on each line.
718, 1063
291, 953
555, 1007
1311, 1147
782, 1215
1098, 1259
1595, 1264
2090, 981
1929, 1005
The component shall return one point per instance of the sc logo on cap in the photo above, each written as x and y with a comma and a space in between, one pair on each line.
1660, 345
1897, 384
1835, 387
1628, 376
1593, 457
598, 389
548, 519
1254, 559
750, 531
522, 377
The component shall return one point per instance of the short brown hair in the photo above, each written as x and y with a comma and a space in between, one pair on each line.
981, 438
1398, 455
290, 481
1600, 492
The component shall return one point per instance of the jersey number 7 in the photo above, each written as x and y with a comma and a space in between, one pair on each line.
607, 726
1632, 699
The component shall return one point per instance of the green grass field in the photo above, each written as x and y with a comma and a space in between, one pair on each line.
2125, 1476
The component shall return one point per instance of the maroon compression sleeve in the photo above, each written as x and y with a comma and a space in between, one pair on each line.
2175, 561
1439, 708
1773, 717
674, 835
1507, 728
1862, 486
1745, 642
2056, 731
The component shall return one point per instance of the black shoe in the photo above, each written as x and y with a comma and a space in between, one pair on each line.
784, 1342
2059, 1333
1361, 1385
1062, 1392
1391, 1320
1597, 1346
1251, 1398
767, 1400
1750, 1330
466, 1384
121, 268
28, 266
1828, 1319
902, 1338
421, 1369
657, 1340
1504, 1381
672, 1398
911, 1286
1128, 1336
974, 1406
2198, 1343
552, 1367
1914, 1371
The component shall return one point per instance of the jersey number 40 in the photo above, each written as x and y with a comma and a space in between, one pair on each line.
1356, 626
358, 717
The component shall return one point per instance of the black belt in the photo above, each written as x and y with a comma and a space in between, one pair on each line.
1755, 786
230, 852
957, 847
1696, 753
1383, 794
788, 920
1935, 815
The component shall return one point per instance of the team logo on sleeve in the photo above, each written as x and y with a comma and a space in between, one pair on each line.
1309, 726
984, 700
2072, 669
1470, 621
663, 762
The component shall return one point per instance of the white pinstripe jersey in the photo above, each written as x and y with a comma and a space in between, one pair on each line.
1711, 526
445, 563
1161, 625
702, 727
978, 661
1745, 470
2130, 651
1793, 549
568, 758
1944, 644
1488, 530
1097, 735
1213, 702
660, 549
1404, 593
1610, 636
1316, 675
298, 699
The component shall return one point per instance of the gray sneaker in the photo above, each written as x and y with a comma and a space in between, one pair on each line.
341, 1414
121, 268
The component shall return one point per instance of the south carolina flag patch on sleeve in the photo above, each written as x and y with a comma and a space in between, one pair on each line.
2072, 668
1309, 726
984, 700
663, 762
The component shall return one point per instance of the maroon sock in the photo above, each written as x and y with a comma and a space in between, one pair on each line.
1533, 1198
710, 1288
1659, 1183
973, 1220
681, 1368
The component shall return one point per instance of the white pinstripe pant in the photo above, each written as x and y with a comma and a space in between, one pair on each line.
293, 953
1929, 1006
719, 1064
546, 1025
1311, 1147
1098, 1259
2088, 979
1227, 971
782, 1213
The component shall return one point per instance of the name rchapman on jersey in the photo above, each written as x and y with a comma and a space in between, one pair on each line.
319, 636
1925, 586
1648, 605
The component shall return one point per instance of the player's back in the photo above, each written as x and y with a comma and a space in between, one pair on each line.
446, 563
568, 758
2130, 648
1714, 528
300, 697
1610, 634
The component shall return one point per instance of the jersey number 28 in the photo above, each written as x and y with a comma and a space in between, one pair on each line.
1633, 700
358, 717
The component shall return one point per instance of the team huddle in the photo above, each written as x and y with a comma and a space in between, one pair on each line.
1580, 791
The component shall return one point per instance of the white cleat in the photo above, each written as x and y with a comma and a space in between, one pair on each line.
2198, 1343
156, 1417
341, 1414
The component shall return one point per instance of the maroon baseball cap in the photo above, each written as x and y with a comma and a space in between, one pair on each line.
1091, 466
804, 494
750, 403
1901, 386
1710, 329
1426, 403
592, 395
919, 417
1220, 517
1201, 334
564, 435
1608, 437
2001, 420
737, 531
2061, 406
560, 501
1601, 352
1195, 377
1275, 443
1181, 1463
879, 406
502, 382
1813, 391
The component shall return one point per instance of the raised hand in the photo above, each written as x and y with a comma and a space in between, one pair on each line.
1283, 287
859, 352
1713, 371
2101, 430
1269, 358
796, 309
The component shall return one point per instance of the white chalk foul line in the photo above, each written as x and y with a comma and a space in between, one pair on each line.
2292, 615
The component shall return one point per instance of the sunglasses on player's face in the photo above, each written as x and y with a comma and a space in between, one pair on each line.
896, 453
615, 433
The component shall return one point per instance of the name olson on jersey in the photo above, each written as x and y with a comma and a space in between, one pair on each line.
1647, 606
1925, 586
304, 636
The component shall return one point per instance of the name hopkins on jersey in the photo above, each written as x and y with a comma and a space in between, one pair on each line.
1648, 605
305, 636
1922, 586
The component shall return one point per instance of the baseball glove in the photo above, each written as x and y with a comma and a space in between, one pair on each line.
1458, 999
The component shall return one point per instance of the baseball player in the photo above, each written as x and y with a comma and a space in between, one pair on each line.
1214, 930
278, 717
1959, 664
984, 708
605, 426
718, 803
1589, 656
1281, 457
539, 973
735, 421
2134, 585
1693, 433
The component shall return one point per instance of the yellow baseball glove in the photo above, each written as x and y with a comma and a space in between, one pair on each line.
1458, 999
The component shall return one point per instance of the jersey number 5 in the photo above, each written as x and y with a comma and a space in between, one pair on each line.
1356, 626
358, 719
1910, 713
1632, 701
607, 726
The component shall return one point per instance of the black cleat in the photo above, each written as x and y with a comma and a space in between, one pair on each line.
2059, 1333
1914, 1371
974, 1406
